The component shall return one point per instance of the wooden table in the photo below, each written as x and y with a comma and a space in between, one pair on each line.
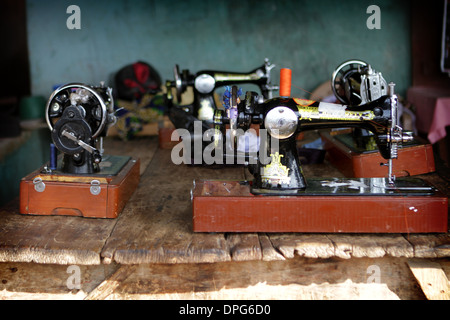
150, 251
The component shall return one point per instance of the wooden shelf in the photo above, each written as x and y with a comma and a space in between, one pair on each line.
155, 230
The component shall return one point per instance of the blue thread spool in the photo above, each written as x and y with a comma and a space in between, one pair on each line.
53, 157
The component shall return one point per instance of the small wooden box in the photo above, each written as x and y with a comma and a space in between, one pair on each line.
76, 195
412, 160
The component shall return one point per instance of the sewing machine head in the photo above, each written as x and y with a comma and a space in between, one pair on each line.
79, 182
284, 117
355, 82
206, 82
79, 116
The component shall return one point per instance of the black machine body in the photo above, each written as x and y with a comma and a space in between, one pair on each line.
79, 116
283, 118
204, 84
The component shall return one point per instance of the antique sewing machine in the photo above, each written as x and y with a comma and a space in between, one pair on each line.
355, 152
82, 180
206, 82
281, 199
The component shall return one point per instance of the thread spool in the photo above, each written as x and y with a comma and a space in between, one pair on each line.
53, 157
285, 82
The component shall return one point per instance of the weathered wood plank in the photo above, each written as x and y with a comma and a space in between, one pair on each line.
34, 281
107, 287
304, 245
370, 246
156, 226
244, 247
431, 278
52, 239
269, 253
297, 278
341, 245
430, 245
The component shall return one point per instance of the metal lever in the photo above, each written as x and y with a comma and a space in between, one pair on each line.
81, 143
269, 87
96, 154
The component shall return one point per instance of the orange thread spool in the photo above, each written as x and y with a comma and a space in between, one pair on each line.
285, 82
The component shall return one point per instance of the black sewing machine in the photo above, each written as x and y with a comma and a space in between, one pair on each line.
204, 84
79, 117
281, 199
354, 153
82, 181
285, 117
355, 82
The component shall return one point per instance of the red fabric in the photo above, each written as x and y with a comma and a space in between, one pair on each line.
141, 71
133, 84
142, 74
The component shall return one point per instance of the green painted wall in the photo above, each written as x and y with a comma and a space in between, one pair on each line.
310, 37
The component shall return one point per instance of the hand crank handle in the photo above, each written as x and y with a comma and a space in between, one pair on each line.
81, 143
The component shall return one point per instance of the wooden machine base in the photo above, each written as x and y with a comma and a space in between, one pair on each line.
76, 195
165, 138
412, 160
229, 206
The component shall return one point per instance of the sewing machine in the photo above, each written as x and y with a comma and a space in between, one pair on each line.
281, 199
82, 180
206, 82
356, 153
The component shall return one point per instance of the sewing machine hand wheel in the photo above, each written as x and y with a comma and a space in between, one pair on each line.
180, 83
76, 115
346, 81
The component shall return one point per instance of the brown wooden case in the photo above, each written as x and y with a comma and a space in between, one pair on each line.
228, 206
71, 194
165, 138
412, 160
